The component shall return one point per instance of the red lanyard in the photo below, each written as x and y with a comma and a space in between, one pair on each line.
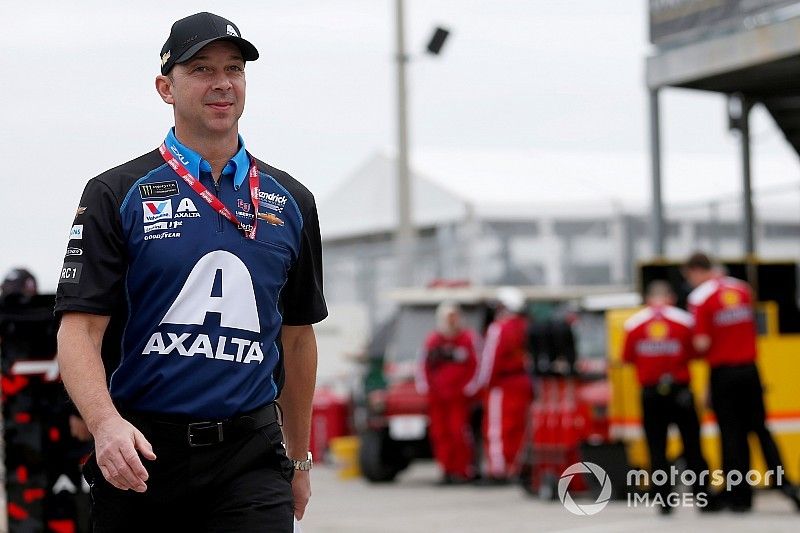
209, 197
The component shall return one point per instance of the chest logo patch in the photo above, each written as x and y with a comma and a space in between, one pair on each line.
187, 209
218, 283
154, 211
160, 189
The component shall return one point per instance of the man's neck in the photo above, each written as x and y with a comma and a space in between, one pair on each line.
216, 150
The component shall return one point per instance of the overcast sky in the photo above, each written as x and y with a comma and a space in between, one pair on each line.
517, 78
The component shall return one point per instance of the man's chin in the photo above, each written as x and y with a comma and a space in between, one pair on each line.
222, 127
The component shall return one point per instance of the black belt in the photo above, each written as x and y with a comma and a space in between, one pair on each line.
205, 432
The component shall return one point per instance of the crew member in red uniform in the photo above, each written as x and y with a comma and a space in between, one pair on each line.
725, 334
447, 365
658, 341
503, 376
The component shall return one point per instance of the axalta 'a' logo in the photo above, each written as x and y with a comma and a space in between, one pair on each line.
165, 57
187, 209
730, 298
235, 299
657, 330
231, 31
154, 211
219, 283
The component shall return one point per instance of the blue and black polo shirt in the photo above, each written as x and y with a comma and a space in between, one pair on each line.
204, 304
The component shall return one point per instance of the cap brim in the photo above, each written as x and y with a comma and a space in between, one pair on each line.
249, 52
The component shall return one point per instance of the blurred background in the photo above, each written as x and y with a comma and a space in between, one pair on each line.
553, 145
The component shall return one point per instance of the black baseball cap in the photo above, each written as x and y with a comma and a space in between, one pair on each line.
188, 35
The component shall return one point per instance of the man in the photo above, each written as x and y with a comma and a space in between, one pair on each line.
216, 258
503, 375
725, 334
19, 281
658, 341
447, 364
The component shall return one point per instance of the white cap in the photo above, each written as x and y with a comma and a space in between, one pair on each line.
511, 298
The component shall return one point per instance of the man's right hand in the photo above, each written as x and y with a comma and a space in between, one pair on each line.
116, 444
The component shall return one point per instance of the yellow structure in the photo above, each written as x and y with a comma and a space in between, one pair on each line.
345, 456
779, 366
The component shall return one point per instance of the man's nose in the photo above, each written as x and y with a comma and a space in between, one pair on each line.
221, 82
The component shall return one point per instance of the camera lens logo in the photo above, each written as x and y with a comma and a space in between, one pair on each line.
586, 509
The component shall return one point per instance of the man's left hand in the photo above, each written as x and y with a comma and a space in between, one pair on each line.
301, 489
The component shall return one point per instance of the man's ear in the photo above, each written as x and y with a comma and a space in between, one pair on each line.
164, 88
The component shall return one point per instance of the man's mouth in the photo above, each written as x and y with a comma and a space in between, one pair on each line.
220, 106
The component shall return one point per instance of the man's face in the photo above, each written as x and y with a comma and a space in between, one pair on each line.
695, 276
454, 320
208, 91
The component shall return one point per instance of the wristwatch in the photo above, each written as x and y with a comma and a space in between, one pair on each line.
305, 464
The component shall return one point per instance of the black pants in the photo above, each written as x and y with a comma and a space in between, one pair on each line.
242, 484
738, 402
659, 410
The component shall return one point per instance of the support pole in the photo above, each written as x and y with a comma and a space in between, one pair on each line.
739, 107
405, 240
747, 191
657, 226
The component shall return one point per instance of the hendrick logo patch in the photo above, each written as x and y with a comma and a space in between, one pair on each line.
159, 189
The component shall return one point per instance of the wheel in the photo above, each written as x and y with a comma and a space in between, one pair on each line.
372, 458
548, 488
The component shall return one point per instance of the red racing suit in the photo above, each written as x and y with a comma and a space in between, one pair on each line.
658, 341
723, 310
508, 393
448, 363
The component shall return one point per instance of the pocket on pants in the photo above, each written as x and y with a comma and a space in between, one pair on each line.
276, 453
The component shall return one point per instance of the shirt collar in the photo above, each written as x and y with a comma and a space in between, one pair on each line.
239, 165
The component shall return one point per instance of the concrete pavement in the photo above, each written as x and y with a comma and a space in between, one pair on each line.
414, 503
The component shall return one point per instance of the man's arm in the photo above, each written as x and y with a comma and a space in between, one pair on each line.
300, 365
485, 369
701, 343
116, 440
701, 340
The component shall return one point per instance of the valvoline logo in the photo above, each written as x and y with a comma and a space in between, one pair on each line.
157, 210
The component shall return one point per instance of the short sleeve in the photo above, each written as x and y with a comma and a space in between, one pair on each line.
302, 298
628, 348
92, 276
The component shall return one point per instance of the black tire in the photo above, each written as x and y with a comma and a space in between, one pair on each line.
372, 458
526, 473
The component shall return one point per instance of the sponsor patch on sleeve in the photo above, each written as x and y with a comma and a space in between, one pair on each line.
71, 273
159, 189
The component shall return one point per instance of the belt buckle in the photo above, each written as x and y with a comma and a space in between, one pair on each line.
202, 426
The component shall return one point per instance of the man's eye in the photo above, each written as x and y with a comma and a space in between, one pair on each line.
237, 68
200, 69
